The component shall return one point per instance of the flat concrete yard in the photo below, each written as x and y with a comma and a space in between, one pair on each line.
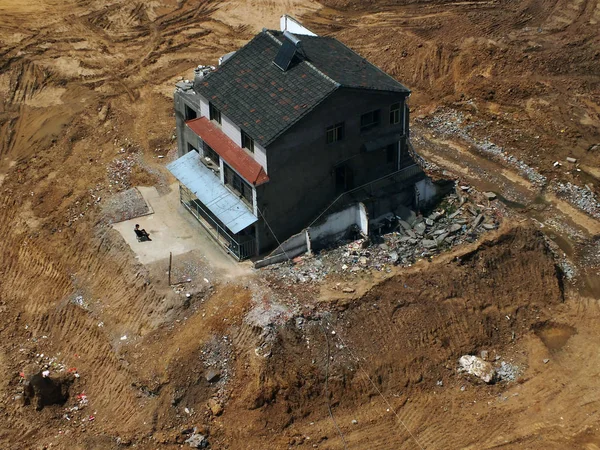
173, 229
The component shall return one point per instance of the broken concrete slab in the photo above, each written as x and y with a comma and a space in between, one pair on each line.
441, 238
477, 220
476, 366
405, 225
489, 226
420, 228
429, 243
454, 228
490, 195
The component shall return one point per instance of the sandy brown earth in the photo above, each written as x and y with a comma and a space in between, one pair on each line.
86, 110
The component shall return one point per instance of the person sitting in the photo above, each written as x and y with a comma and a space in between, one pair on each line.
142, 235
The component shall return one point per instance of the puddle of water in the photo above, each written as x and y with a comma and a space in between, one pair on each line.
554, 335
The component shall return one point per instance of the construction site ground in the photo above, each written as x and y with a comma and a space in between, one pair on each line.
503, 92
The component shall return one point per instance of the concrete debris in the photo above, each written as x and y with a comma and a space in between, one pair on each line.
449, 122
582, 198
429, 243
197, 440
571, 160
215, 407
490, 195
476, 366
401, 244
212, 375
348, 290
546, 361
484, 355
507, 372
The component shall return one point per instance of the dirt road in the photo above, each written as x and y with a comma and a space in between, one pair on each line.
86, 111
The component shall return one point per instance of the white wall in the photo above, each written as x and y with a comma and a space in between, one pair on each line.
336, 224
260, 156
425, 192
232, 131
204, 110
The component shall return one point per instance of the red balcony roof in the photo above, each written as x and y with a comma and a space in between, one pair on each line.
231, 153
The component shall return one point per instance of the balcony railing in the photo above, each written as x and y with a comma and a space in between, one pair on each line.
240, 247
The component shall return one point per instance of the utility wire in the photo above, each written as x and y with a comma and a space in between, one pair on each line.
327, 391
274, 235
375, 386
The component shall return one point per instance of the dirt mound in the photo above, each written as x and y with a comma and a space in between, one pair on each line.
399, 342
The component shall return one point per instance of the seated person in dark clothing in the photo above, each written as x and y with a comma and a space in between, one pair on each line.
142, 234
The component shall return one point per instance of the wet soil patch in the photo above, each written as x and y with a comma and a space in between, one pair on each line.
554, 335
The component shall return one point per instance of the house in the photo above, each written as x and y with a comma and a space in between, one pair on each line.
287, 127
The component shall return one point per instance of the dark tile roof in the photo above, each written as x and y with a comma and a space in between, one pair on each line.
265, 101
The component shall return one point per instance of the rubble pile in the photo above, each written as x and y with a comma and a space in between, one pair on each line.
583, 198
461, 217
449, 122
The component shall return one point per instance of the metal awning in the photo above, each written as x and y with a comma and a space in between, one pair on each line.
382, 142
223, 203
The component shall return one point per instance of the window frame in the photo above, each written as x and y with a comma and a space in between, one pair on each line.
335, 133
189, 112
395, 113
238, 185
247, 142
375, 120
214, 113
210, 153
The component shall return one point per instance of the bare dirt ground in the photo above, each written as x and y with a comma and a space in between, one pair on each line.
86, 110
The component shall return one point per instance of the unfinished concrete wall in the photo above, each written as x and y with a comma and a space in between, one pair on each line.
292, 247
329, 230
336, 225
427, 192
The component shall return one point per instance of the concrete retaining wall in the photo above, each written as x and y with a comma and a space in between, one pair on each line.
331, 229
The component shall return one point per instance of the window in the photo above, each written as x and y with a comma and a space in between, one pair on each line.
237, 184
405, 158
190, 113
395, 114
247, 142
390, 153
369, 120
211, 154
191, 148
335, 133
215, 114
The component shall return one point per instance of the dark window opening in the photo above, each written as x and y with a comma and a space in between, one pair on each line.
190, 113
211, 154
247, 142
238, 184
190, 148
214, 113
395, 114
390, 153
405, 158
335, 133
343, 178
370, 120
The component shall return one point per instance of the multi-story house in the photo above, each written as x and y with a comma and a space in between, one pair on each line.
284, 127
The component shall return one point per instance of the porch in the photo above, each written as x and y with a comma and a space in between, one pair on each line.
226, 218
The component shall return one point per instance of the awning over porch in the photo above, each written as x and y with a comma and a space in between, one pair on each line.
225, 205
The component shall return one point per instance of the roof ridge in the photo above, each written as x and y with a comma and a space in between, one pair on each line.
308, 63
370, 63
